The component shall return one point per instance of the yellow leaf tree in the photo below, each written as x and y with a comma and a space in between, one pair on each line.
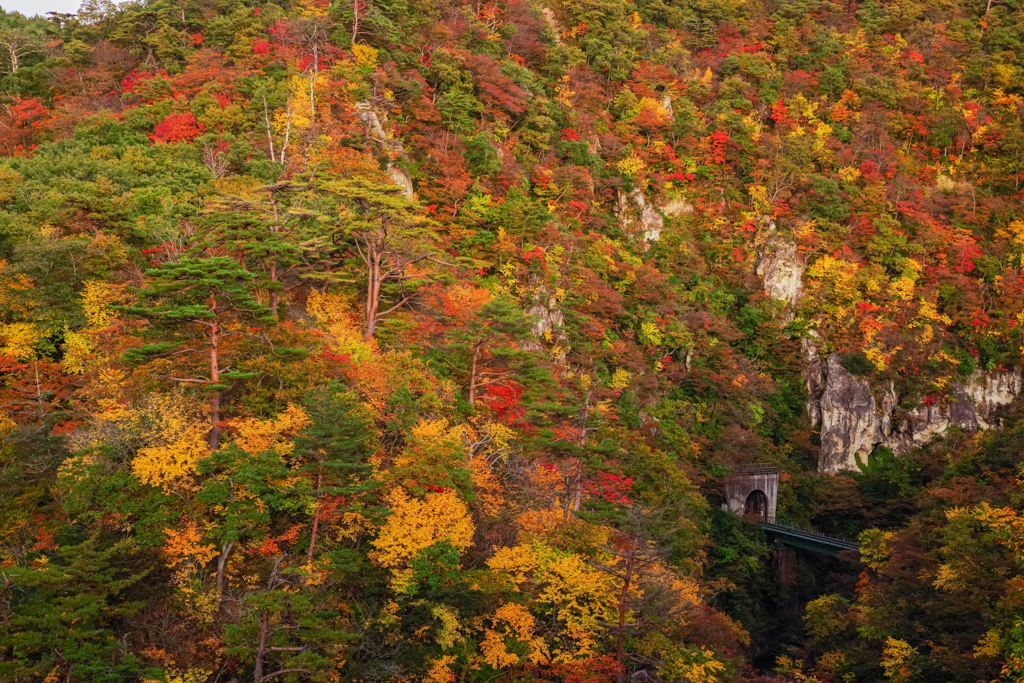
416, 524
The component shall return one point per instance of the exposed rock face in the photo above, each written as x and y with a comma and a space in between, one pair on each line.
368, 115
969, 406
374, 115
675, 207
923, 423
638, 216
666, 102
375, 121
849, 419
780, 268
889, 402
814, 375
556, 28
547, 322
401, 178
853, 423
990, 391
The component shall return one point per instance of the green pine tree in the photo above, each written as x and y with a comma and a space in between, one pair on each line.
63, 613
489, 350
369, 227
261, 235
335, 450
194, 305
287, 629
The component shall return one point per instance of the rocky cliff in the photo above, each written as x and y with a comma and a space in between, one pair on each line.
640, 218
780, 268
849, 418
548, 318
856, 417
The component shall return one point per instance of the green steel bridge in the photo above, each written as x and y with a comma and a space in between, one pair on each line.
815, 542
752, 491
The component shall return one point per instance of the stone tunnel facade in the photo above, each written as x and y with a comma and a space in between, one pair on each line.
743, 486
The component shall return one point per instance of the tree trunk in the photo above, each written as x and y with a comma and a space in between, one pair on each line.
288, 128
274, 275
222, 562
312, 103
266, 119
316, 515
355, 20
472, 377
39, 393
261, 650
273, 295
215, 421
214, 379
631, 558
372, 291
4, 601
577, 496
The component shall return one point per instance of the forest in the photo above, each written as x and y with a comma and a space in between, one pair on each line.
416, 340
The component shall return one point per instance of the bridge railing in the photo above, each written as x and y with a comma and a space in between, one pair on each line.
756, 468
809, 532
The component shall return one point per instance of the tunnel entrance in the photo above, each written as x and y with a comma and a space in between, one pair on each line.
752, 490
756, 505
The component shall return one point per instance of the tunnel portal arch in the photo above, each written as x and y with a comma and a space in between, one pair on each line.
756, 505
753, 489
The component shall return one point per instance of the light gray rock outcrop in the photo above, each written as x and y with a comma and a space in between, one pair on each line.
375, 119
919, 425
968, 406
552, 21
666, 103
638, 216
853, 422
849, 419
402, 178
675, 207
814, 376
989, 391
548, 318
778, 263
889, 402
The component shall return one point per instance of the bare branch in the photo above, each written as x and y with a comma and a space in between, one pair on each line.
395, 307
286, 671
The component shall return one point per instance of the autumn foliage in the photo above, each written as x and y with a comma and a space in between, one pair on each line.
374, 341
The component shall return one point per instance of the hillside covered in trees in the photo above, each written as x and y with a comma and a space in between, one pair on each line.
414, 340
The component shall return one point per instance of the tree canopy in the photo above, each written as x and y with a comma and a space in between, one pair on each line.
382, 341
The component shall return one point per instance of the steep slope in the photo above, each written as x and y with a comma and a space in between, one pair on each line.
413, 340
